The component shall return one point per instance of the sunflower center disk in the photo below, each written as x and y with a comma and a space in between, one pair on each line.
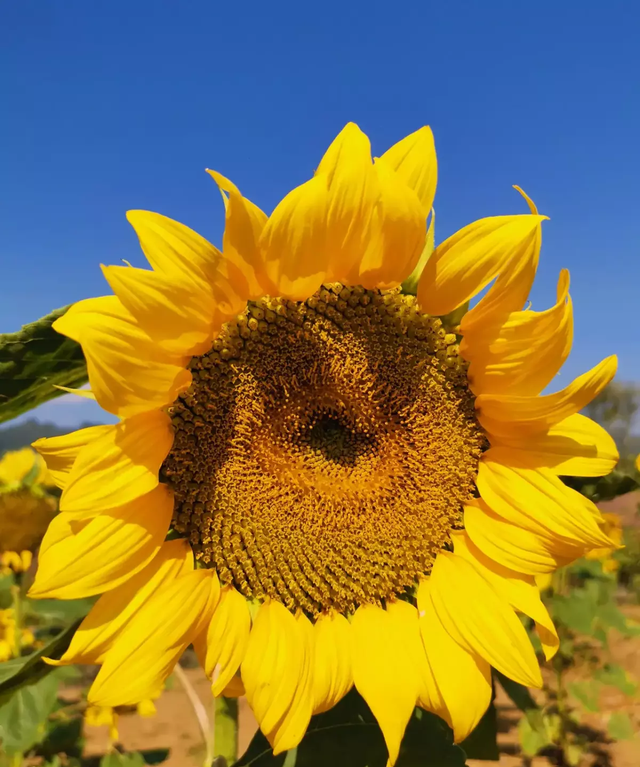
325, 448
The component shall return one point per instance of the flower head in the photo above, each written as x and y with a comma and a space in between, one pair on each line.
23, 467
356, 494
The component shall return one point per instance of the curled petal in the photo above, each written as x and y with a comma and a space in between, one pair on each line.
506, 247
146, 650
573, 447
414, 161
522, 354
507, 414
513, 546
243, 264
120, 465
382, 675
332, 660
128, 372
353, 195
519, 590
275, 673
166, 307
116, 608
293, 241
480, 620
61, 452
538, 501
104, 551
222, 646
463, 679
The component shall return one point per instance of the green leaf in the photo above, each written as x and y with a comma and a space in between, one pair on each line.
620, 726
616, 676
576, 611
32, 361
532, 739
518, 693
611, 617
58, 610
586, 693
24, 712
604, 489
349, 735
483, 741
19, 671
410, 285
117, 759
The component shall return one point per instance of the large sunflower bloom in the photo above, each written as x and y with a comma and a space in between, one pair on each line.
353, 497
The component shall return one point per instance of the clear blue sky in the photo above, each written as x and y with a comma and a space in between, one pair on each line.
114, 105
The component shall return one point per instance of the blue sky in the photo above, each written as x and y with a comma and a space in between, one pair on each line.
111, 106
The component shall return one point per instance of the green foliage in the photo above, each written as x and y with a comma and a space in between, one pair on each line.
18, 672
118, 759
483, 741
620, 726
587, 694
23, 713
33, 361
349, 735
598, 489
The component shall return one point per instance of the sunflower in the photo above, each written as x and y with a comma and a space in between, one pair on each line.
315, 481
26, 507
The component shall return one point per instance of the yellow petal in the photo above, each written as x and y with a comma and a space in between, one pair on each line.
524, 353
332, 660
147, 649
61, 452
398, 233
61, 527
506, 247
293, 242
414, 161
128, 372
113, 611
463, 679
407, 628
222, 646
119, 466
294, 725
480, 620
107, 551
382, 675
169, 311
513, 546
244, 222
505, 414
84, 393
275, 674
574, 447
537, 500
353, 195
519, 590
176, 251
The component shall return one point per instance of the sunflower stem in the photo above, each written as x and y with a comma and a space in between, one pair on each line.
16, 599
199, 710
225, 728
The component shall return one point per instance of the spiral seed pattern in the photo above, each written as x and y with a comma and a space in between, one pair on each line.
325, 448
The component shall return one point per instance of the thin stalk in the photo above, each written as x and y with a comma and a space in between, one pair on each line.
200, 711
16, 599
225, 728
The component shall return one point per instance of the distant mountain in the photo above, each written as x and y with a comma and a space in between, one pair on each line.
21, 435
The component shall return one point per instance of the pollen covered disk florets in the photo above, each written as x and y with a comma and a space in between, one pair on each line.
325, 448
